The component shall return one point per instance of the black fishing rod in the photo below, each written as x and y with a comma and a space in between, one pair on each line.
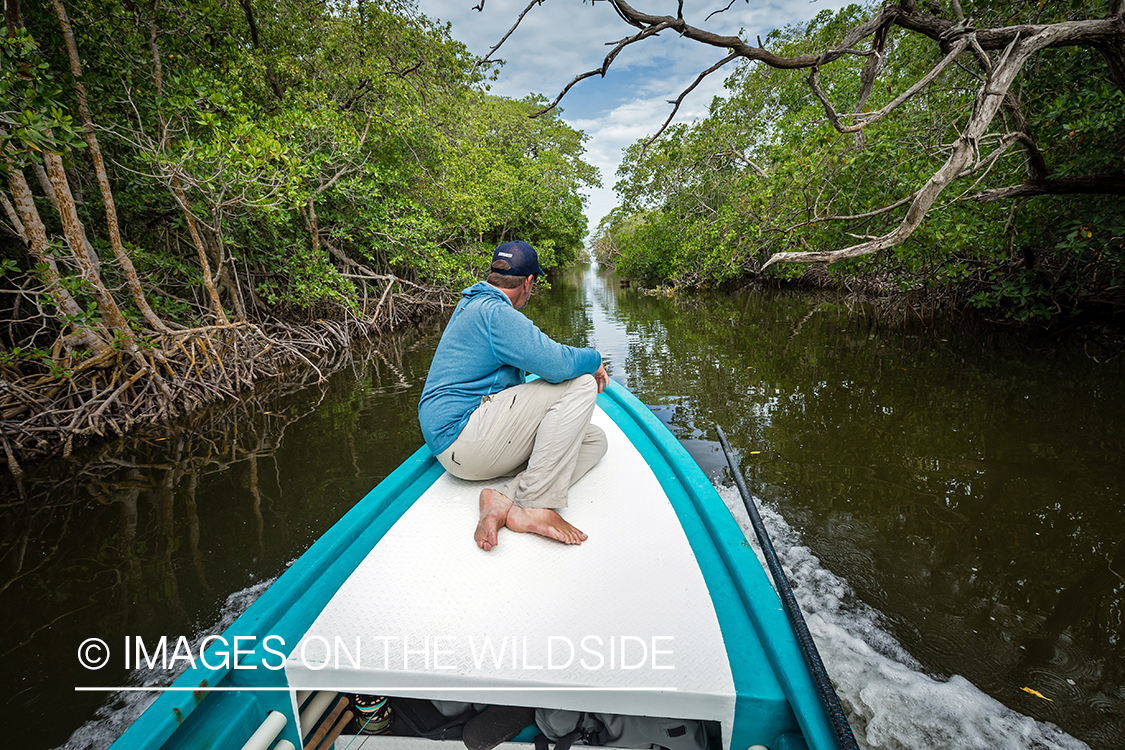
828, 696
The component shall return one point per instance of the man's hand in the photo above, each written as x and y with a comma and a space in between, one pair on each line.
601, 377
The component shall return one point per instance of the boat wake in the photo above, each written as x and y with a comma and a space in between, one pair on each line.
891, 703
122, 708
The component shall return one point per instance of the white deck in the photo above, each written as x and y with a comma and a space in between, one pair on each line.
569, 626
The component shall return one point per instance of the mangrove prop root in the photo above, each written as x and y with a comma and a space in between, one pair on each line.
45, 414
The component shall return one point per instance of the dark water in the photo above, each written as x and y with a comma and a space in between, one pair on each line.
948, 501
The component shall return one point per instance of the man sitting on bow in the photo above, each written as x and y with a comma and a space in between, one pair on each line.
483, 421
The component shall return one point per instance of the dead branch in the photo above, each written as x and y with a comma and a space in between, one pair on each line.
863, 120
484, 60
1099, 184
601, 71
853, 217
679, 100
1016, 44
988, 101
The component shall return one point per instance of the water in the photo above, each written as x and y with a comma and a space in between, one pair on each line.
115, 715
946, 501
890, 701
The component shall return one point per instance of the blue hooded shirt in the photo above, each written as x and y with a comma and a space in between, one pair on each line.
486, 347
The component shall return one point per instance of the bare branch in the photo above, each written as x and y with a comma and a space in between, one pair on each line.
485, 59
644, 34
13, 217
1017, 43
680, 99
871, 66
1098, 184
734, 152
869, 119
855, 217
714, 12
742, 49
651, 25
1088, 33
988, 101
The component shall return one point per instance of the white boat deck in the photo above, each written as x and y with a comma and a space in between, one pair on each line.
622, 623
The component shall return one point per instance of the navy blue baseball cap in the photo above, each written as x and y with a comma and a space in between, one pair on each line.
520, 256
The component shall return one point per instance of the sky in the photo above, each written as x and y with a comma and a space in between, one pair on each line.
560, 39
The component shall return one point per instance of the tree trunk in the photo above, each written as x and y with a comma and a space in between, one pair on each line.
89, 136
13, 17
205, 266
10, 212
278, 90
72, 227
39, 247
75, 237
226, 275
45, 184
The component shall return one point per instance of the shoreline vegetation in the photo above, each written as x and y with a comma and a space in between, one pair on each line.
969, 152
198, 196
195, 199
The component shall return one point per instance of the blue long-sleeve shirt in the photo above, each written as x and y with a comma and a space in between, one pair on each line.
486, 347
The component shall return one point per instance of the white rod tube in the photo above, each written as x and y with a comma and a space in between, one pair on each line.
266, 732
316, 708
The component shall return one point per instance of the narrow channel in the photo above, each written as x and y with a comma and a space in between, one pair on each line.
946, 497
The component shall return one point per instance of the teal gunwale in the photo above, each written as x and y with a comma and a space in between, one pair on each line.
726, 559
292, 602
285, 609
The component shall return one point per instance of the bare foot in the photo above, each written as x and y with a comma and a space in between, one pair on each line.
493, 514
545, 522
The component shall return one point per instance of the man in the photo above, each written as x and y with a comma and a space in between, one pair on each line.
482, 420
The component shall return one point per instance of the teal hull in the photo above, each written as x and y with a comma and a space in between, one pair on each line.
781, 712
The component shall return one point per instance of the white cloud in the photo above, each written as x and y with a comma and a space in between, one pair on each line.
562, 38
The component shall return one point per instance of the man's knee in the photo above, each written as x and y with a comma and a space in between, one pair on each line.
585, 384
596, 441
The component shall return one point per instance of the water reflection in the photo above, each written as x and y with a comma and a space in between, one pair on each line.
964, 480
148, 537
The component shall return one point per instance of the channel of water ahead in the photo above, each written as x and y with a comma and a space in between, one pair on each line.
947, 499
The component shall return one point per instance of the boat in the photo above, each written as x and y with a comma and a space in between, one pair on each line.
665, 611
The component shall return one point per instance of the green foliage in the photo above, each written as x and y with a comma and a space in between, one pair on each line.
714, 200
510, 176
361, 121
30, 117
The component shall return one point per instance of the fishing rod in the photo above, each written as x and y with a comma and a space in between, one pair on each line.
823, 684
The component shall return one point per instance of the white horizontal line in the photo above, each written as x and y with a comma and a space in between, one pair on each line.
353, 689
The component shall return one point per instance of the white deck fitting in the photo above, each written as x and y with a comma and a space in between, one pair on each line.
426, 600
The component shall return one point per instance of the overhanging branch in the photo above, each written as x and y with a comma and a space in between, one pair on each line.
644, 34
988, 101
869, 119
515, 26
679, 100
1097, 184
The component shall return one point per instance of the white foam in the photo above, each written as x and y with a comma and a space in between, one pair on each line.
122, 708
890, 702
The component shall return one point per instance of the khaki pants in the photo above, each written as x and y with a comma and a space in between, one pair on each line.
540, 432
